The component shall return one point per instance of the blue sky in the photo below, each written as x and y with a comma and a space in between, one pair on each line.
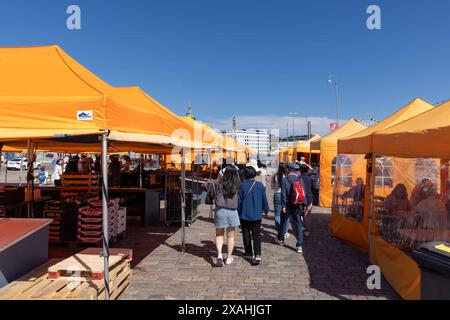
259, 59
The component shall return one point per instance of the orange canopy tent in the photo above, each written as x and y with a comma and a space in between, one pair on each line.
361, 142
328, 153
356, 147
48, 95
305, 147
426, 135
286, 154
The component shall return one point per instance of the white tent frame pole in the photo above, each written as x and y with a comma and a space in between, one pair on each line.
371, 198
21, 169
29, 183
183, 200
105, 252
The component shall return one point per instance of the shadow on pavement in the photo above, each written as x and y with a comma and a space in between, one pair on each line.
336, 268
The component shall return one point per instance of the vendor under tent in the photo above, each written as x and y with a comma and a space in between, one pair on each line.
328, 157
420, 156
303, 149
351, 198
47, 95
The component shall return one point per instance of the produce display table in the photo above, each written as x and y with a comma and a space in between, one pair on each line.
23, 247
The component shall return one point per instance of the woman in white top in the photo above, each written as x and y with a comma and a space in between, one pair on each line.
57, 173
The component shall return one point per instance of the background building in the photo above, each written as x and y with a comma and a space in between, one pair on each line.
257, 139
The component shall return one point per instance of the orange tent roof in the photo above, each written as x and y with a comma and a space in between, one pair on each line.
361, 142
426, 135
330, 141
305, 146
44, 90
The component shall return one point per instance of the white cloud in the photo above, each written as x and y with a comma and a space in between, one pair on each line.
319, 125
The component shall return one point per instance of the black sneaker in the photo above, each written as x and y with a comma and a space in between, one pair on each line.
248, 256
257, 261
219, 262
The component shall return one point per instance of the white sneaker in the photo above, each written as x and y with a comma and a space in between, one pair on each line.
299, 249
229, 261
287, 234
306, 233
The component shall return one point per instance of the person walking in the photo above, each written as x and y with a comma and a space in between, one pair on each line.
307, 207
42, 176
225, 191
57, 173
276, 182
252, 204
292, 199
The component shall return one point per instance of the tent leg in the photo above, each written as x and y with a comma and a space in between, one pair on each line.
210, 179
6, 172
30, 176
21, 169
105, 251
140, 170
183, 200
372, 189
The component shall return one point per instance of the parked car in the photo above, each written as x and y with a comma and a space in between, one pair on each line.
15, 163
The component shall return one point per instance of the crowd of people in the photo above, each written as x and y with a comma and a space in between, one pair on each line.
240, 199
121, 170
425, 209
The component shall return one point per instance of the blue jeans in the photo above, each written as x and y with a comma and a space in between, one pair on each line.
277, 206
294, 214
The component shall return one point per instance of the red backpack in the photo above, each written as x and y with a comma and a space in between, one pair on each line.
297, 195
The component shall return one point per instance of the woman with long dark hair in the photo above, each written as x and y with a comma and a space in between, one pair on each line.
276, 182
225, 192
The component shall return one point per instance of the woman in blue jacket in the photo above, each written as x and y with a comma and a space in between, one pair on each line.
252, 204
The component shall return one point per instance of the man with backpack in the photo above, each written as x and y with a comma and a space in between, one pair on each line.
293, 197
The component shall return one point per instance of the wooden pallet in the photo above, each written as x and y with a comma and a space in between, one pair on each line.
83, 267
37, 286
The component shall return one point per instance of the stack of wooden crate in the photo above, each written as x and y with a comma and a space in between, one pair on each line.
91, 221
65, 220
80, 186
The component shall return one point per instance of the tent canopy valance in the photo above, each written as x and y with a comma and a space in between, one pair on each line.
426, 135
361, 142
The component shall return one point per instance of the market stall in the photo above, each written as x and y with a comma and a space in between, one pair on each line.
351, 206
79, 110
328, 157
303, 149
418, 210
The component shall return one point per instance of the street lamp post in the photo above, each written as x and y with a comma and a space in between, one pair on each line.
293, 114
332, 81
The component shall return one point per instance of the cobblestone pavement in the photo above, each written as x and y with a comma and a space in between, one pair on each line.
328, 269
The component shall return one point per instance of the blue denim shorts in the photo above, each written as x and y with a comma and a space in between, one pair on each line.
226, 218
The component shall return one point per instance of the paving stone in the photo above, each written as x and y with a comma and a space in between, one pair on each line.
327, 269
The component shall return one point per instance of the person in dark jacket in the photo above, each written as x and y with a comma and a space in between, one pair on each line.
307, 207
252, 203
225, 192
290, 211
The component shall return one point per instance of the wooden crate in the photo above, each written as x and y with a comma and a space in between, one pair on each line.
75, 184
